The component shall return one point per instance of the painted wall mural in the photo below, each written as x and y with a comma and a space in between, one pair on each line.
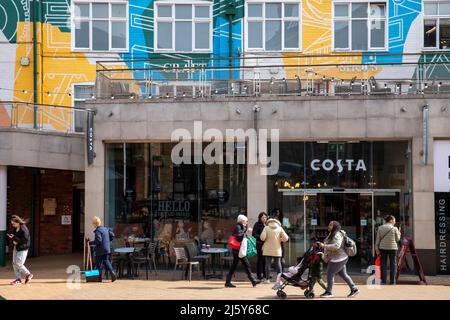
59, 68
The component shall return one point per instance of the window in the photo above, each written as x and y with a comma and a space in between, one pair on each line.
273, 26
359, 26
436, 25
100, 26
183, 27
80, 94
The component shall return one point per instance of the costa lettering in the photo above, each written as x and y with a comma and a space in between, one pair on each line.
340, 165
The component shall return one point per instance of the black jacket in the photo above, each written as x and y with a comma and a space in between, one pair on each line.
257, 230
22, 237
239, 232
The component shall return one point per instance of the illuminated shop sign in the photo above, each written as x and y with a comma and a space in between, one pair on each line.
339, 165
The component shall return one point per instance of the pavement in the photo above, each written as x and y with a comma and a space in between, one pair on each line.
51, 282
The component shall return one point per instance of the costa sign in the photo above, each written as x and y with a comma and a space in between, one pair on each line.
340, 165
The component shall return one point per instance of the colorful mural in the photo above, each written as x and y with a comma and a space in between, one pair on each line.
59, 68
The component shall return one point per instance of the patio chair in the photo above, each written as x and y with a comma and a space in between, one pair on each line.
194, 255
146, 256
181, 259
376, 89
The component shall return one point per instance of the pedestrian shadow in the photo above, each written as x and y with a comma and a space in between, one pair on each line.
197, 288
289, 297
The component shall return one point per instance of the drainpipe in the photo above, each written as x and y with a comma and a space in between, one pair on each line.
230, 12
35, 97
3, 222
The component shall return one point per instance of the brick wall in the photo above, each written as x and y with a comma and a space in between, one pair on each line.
54, 237
50, 236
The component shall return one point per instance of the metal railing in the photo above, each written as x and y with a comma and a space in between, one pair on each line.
308, 75
49, 117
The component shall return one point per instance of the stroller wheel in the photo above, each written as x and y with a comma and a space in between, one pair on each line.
281, 294
310, 295
306, 293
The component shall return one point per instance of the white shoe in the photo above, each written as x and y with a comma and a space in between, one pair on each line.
276, 286
267, 281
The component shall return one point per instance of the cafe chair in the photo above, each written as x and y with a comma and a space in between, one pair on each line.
181, 259
193, 255
146, 256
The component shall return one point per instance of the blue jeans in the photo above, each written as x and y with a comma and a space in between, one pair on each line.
103, 260
334, 268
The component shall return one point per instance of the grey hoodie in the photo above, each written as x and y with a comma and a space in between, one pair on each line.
334, 247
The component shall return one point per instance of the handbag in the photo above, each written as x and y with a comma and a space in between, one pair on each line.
233, 243
251, 246
243, 248
378, 267
91, 274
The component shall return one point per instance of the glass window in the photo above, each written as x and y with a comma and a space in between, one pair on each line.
164, 35
364, 29
436, 30
341, 10
341, 34
273, 35
430, 32
94, 24
255, 10
148, 195
80, 94
183, 27
273, 26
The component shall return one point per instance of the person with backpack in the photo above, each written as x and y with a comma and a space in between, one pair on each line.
273, 236
386, 246
239, 233
102, 243
20, 238
336, 256
260, 260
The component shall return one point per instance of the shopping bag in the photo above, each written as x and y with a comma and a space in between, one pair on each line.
233, 243
91, 274
378, 267
251, 246
243, 248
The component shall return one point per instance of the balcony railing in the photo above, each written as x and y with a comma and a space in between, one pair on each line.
313, 75
44, 117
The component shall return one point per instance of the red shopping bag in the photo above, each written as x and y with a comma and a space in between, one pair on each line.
233, 243
378, 267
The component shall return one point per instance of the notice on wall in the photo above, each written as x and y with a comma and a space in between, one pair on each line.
49, 206
66, 220
441, 165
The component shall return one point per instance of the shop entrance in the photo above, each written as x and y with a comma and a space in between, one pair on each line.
307, 213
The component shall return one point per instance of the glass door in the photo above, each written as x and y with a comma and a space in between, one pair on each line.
365, 231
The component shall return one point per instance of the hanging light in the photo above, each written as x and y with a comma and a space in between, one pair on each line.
48, 94
297, 185
112, 97
286, 184
25, 91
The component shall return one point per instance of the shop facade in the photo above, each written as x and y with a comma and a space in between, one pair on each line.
348, 159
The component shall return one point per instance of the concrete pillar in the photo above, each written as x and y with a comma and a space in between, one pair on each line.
256, 192
3, 222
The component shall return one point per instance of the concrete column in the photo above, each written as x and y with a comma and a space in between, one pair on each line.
3, 222
256, 192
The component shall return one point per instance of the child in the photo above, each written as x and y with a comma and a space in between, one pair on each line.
293, 270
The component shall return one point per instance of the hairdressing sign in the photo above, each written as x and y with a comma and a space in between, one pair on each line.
442, 204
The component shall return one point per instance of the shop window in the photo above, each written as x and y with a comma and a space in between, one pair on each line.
436, 25
273, 26
182, 27
359, 26
100, 26
81, 92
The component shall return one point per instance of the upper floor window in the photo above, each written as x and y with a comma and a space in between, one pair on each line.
273, 26
359, 26
100, 26
436, 25
182, 27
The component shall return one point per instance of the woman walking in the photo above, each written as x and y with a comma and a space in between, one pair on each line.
239, 232
102, 243
273, 236
334, 253
260, 260
20, 237
388, 235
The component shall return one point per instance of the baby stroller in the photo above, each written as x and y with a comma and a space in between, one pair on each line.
311, 260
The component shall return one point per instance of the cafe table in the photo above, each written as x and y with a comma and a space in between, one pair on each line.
128, 251
214, 252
